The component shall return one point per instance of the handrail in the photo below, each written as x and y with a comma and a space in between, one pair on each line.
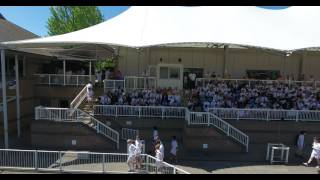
192, 118
131, 82
63, 79
63, 114
68, 161
203, 80
266, 114
103, 129
79, 98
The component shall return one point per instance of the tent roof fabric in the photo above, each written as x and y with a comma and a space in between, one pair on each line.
248, 26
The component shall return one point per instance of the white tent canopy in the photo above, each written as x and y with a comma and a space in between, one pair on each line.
287, 29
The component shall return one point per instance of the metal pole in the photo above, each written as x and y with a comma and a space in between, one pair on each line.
18, 95
4, 99
64, 72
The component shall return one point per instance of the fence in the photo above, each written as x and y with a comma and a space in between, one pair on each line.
134, 82
140, 111
193, 118
130, 82
204, 118
204, 81
65, 115
73, 161
110, 84
61, 79
266, 114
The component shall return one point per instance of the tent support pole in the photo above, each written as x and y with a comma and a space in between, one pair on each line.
18, 95
4, 99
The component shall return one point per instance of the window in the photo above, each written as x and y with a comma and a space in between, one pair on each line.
164, 72
174, 73
169, 73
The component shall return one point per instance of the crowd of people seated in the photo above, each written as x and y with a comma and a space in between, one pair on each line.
224, 94
145, 97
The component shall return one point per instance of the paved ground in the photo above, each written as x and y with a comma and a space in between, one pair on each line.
244, 168
206, 168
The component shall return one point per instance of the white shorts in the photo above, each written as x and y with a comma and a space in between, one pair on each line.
314, 154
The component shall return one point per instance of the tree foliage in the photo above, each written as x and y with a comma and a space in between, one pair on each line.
66, 19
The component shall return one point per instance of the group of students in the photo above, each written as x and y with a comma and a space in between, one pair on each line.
134, 160
146, 97
222, 94
315, 153
134, 154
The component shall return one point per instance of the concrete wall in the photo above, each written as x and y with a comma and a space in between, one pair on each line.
262, 132
59, 136
212, 59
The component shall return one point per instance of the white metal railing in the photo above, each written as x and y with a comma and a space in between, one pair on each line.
79, 98
204, 81
110, 84
139, 111
207, 118
61, 79
135, 82
77, 162
193, 118
266, 114
64, 115
129, 133
130, 82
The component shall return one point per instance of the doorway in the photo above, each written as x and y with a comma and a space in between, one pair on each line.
188, 82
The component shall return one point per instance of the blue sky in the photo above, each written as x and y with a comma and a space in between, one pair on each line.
34, 18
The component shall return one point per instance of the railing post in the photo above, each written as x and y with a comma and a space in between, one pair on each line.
162, 113
60, 161
116, 111
238, 115
139, 111
208, 119
297, 116
98, 127
174, 170
36, 160
147, 162
118, 141
77, 80
228, 133
103, 162
268, 114
49, 81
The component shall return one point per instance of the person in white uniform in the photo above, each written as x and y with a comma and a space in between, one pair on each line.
131, 154
174, 149
159, 159
315, 154
89, 92
138, 151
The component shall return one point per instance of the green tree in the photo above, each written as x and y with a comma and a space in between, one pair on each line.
66, 19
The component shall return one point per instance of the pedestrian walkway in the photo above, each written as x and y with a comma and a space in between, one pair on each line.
199, 167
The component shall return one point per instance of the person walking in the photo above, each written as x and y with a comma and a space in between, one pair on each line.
174, 149
315, 154
300, 144
131, 155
